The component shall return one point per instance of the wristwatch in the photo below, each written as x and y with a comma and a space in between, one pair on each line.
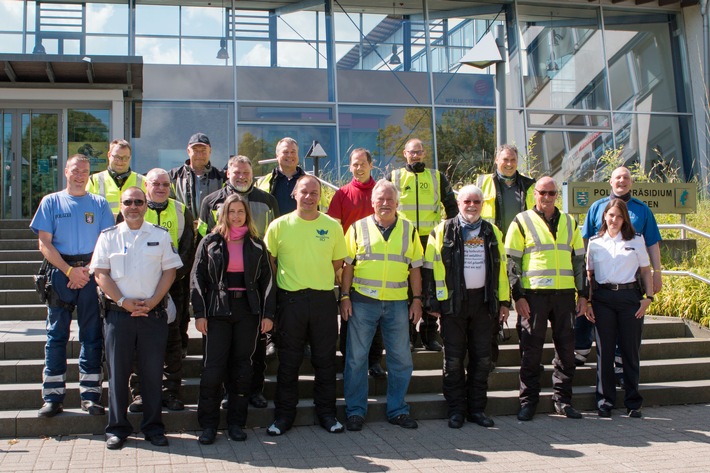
120, 301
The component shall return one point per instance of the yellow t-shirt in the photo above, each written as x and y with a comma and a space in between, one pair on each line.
305, 250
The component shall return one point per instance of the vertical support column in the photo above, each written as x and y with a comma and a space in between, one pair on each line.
501, 98
407, 44
332, 74
233, 41
131, 27
273, 44
430, 73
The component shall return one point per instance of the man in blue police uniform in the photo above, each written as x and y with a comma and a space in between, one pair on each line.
135, 263
68, 224
644, 222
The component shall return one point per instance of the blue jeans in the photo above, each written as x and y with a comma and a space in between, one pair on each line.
393, 317
90, 336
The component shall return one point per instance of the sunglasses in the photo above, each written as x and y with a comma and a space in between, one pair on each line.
544, 193
136, 202
160, 184
474, 202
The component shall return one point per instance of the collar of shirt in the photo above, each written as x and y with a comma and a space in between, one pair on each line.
552, 223
386, 232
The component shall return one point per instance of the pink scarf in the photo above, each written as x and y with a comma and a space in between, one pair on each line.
237, 233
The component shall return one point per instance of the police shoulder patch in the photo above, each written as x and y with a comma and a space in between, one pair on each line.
109, 229
594, 237
162, 228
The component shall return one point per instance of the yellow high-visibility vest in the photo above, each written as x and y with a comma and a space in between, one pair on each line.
172, 219
419, 199
103, 184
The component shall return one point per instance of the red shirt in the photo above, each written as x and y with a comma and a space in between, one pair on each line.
352, 202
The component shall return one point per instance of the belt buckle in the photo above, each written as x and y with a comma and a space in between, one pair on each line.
614, 287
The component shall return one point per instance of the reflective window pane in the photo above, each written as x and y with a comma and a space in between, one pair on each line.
157, 20
88, 134
568, 155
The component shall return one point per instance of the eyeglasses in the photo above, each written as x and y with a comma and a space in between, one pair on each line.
474, 202
123, 159
160, 184
544, 193
136, 202
415, 152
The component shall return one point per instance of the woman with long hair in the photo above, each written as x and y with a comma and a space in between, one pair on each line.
614, 259
233, 298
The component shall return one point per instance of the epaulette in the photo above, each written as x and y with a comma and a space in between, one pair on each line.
638, 234
594, 237
109, 229
162, 228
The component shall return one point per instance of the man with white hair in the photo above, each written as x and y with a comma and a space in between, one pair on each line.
467, 288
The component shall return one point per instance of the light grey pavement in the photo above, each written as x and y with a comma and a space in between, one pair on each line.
667, 439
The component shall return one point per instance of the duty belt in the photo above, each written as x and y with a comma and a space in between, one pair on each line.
77, 261
617, 287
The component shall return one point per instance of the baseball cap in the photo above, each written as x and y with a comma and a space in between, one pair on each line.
199, 138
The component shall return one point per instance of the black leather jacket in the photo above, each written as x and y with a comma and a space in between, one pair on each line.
208, 280
452, 257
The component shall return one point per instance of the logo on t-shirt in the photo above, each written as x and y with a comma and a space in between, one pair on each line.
89, 217
322, 234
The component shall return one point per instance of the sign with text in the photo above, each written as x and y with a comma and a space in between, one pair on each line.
661, 198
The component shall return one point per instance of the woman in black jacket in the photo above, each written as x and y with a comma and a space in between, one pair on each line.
233, 298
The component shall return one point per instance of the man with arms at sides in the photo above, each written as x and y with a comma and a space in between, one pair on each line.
68, 224
547, 274
350, 203
506, 193
117, 177
467, 287
384, 260
306, 247
135, 263
644, 222
177, 219
422, 193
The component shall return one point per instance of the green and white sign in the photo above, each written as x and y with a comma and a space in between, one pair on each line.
662, 198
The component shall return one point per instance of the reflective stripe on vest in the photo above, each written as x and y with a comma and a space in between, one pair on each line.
377, 258
107, 188
426, 215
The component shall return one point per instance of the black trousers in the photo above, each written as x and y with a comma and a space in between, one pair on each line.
466, 391
229, 346
615, 322
306, 316
172, 368
258, 365
557, 307
180, 292
141, 338
375, 354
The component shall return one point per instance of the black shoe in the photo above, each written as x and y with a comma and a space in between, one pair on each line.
456, 421
481, 419
376, 371
526, 412
225, 402
159, 440
635, 413
236, 433
332, 425
50, 409
604, 411
354, 423
208, 436
114, 442
434, 346
404, 421
567, 410
270, 351
93, 408
173, 403
258, 400
279, 427
136, 405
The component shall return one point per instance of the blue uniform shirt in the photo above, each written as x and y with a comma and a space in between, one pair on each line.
641, 218
74, 222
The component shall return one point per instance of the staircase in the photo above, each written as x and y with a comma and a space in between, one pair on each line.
675, 367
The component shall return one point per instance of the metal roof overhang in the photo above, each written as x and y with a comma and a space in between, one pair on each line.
73, 72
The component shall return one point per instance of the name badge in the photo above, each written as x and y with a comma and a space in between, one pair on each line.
153, 243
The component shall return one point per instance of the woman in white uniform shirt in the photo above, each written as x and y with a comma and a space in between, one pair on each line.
614, 257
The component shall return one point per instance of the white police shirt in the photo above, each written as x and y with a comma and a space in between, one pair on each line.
136, 258
615, 260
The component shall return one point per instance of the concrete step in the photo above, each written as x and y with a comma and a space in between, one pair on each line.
26, 312
7, 254
25, 423
16, 297
15, 281
21, 223
19, 244
17, 233
19, 268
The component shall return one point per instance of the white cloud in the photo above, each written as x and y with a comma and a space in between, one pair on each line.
259, 55
11, 16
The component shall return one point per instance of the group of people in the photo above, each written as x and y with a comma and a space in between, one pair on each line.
259, 264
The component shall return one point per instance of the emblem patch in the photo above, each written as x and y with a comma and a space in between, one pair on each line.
89, 217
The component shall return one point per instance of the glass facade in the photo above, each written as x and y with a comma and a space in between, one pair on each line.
580, 79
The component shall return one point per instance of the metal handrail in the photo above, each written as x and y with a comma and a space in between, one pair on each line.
684, 228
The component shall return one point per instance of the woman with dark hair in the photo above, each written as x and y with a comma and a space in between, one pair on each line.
233, 298
614, 259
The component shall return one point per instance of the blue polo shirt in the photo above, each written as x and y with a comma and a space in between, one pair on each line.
642, 219
74, 222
